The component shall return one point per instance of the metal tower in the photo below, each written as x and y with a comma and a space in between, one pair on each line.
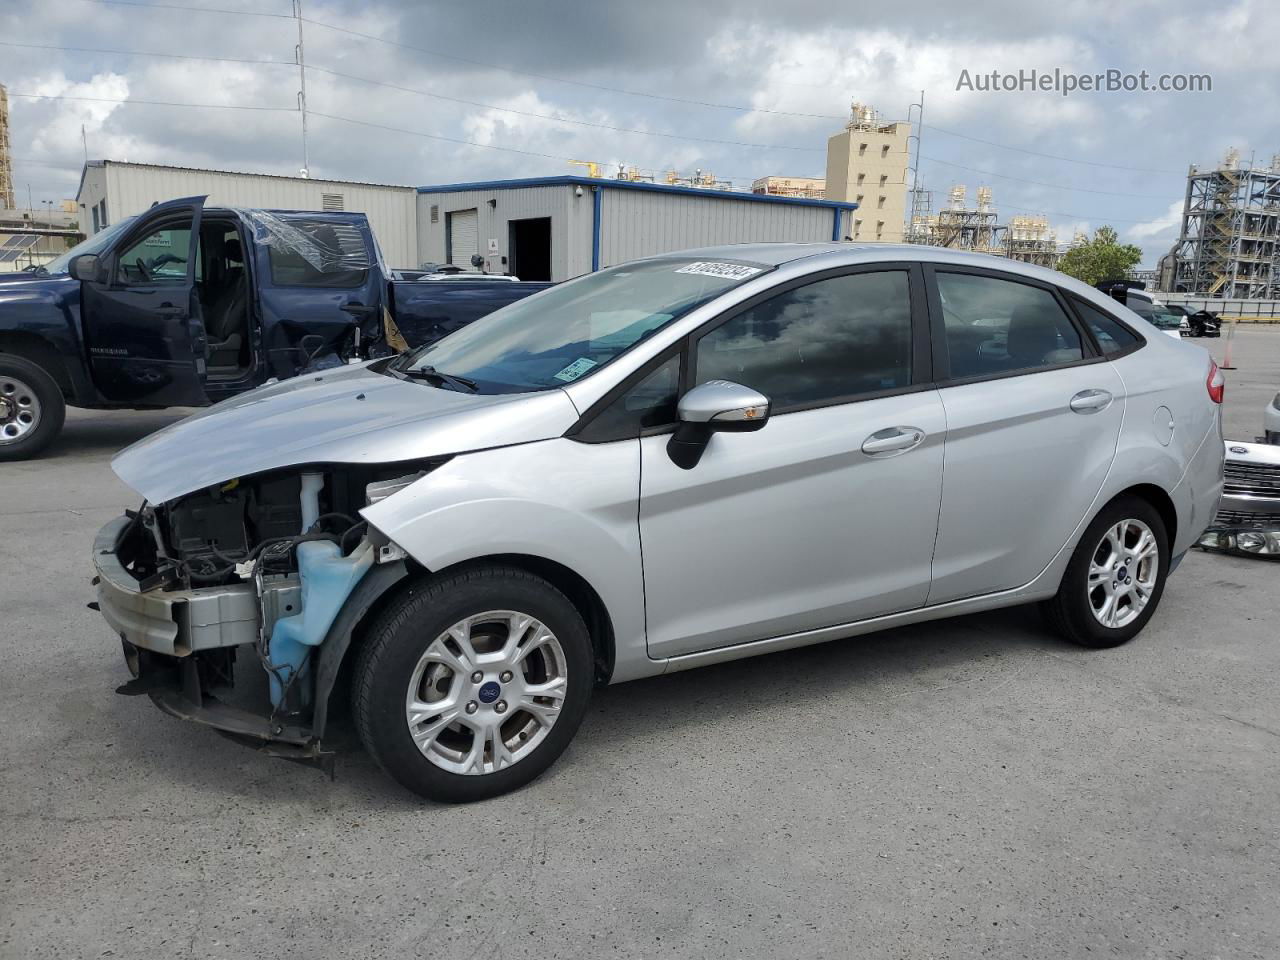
6, 156
1229, 245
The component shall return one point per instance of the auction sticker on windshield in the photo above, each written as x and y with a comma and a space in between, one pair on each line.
576, 369
726, 271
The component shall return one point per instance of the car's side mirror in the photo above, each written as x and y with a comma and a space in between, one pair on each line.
87, 267
717, 406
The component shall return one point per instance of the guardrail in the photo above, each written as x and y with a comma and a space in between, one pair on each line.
1245, 309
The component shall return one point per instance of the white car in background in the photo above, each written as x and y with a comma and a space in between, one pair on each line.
1157, 314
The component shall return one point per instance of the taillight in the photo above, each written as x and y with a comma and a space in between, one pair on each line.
1215, 383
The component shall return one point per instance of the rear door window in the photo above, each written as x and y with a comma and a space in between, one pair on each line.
322, 254
996, 326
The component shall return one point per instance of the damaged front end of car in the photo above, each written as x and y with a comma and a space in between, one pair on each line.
277, 565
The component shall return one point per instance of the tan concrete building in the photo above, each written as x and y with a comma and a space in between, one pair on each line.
867, 165
813, 188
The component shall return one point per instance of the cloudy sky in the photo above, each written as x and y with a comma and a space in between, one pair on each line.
416, 93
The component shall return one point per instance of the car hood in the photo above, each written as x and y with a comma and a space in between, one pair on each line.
349, 415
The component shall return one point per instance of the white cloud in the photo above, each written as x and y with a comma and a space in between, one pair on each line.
1170, 221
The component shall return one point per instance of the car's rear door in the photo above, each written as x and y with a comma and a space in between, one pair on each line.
321, 285
1033, 417
826, 515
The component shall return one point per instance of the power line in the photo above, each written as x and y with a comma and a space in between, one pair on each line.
472, 62
1051, 186
187, 9
631, 93
571, 120
155, 103
576, 83
1049, 156
424, 93
147, 53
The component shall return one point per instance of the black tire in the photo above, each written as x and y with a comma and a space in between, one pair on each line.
402, 634
53, 409
1070, 613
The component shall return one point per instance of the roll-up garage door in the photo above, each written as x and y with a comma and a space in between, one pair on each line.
464, 237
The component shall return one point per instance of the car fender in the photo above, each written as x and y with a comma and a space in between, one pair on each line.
572, 503
40, 320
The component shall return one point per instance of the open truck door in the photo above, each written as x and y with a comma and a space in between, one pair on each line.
139, 311
323, 287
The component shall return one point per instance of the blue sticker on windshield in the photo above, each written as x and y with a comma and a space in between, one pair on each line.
576, 369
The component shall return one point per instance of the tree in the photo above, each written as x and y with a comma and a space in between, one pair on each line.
1100, 260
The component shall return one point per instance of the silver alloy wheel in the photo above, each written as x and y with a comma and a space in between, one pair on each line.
1122, 573
486, 692
19, 410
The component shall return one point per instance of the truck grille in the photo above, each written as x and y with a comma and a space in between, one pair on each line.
1240, 518
1252, 479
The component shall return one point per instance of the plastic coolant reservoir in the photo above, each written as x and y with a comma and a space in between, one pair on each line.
327, 580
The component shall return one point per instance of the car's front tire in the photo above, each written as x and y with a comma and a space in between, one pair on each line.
1115, 578
31, 408
472, 683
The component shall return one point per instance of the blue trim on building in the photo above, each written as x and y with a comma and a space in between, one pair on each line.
597, 198
600, 182
835, 225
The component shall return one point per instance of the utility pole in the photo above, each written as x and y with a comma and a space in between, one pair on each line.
84, 140
300, 55
915, 166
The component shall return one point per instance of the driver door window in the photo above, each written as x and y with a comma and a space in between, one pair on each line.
158, 258
825, 342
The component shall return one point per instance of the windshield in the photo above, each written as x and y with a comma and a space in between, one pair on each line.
95, 244
571, 330
1156, 314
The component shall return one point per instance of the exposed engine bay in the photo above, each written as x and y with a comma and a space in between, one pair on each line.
266, 561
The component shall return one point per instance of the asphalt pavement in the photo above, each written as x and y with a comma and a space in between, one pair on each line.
961, 789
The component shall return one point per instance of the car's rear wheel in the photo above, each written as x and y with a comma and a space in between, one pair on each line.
473, 683
31, 408
1115, 578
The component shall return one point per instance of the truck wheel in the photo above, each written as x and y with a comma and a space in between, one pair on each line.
473, 683
1115, 578
31, 408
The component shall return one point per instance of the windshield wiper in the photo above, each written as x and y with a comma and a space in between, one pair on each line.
431, 373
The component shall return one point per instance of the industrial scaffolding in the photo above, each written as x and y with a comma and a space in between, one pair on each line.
1229, 245
977, 228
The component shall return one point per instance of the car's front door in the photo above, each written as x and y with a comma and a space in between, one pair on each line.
141, 319
825, 516
1033, 418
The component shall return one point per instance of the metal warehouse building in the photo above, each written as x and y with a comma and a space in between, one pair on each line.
111, 189
554, 228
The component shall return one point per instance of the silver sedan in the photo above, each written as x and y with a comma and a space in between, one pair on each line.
666, 464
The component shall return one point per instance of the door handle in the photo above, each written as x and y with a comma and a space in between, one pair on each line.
169, 310
892, 440
1090, 401
356, 308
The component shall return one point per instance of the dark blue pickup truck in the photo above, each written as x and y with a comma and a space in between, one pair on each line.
187, 305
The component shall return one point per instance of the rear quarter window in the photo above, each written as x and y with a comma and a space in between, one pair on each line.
1112, 336
334, 256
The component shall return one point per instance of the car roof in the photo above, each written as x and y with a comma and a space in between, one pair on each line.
840, 252
834, 253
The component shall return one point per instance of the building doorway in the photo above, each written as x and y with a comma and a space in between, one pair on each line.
529, 243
